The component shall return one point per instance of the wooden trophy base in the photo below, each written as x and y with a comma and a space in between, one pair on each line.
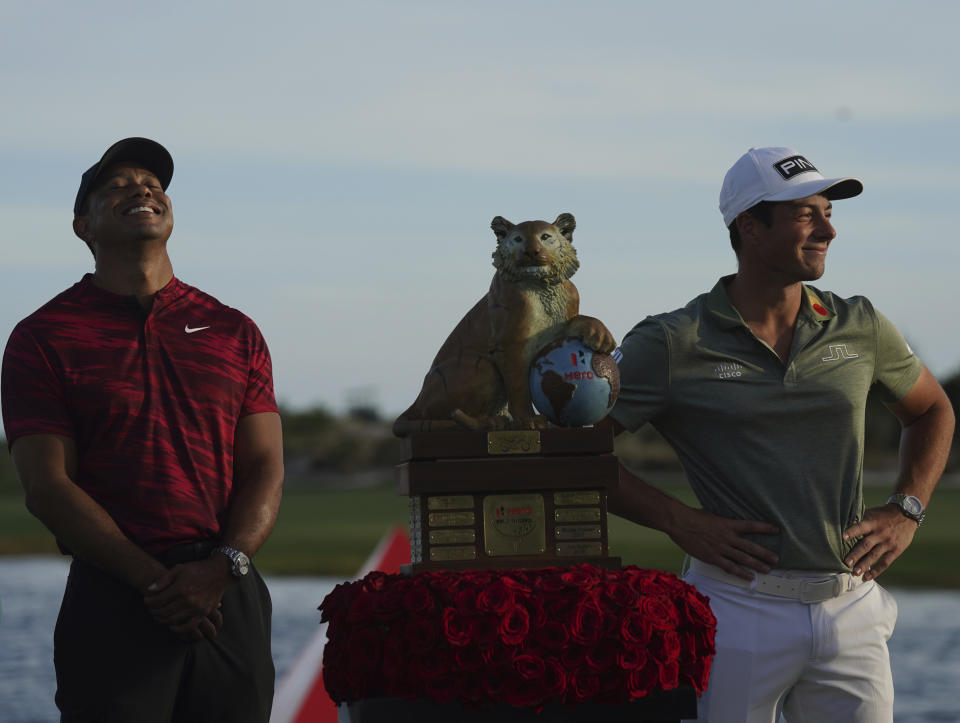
509, 499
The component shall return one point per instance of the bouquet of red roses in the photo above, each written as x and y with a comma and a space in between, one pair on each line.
521, 637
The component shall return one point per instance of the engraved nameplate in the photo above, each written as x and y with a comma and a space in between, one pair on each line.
577, 532
450, 502
452, 537
577, 514
451, 519
514, 524
449, 554
513, 442
579, 549
587, 497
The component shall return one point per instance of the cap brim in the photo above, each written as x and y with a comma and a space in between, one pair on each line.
832, 188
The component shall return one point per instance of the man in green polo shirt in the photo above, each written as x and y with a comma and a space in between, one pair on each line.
760, 386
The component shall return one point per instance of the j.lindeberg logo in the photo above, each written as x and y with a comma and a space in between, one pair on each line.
794, 165
729, 370
838, 352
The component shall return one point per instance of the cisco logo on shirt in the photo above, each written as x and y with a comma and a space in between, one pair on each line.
729, 370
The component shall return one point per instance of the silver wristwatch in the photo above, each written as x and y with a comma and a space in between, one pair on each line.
241, 563
909, 506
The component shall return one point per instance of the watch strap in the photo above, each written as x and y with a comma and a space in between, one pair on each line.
240, 563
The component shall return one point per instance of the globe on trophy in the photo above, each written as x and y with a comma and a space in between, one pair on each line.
572, 385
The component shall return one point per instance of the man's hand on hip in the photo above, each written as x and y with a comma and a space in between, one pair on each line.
719, 541
885, 533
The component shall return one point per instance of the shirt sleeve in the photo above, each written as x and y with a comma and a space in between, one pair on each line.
644, 375
32, 390
898, 368
259, 396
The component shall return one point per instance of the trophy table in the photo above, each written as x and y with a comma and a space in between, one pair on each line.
509, 499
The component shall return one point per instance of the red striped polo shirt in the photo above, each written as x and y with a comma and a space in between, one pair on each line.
152, 401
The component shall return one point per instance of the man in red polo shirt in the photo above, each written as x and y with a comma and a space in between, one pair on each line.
142, 422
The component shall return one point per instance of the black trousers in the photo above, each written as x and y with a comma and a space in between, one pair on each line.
115, 664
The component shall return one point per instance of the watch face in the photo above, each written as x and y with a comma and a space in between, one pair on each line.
912, 505
242, 564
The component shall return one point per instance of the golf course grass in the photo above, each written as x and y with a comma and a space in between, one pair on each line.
331, 532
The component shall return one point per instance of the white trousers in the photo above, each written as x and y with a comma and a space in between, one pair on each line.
814, 663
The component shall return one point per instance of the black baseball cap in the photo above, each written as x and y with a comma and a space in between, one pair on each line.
149, 154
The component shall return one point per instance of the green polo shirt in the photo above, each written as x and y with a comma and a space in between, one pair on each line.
760, 439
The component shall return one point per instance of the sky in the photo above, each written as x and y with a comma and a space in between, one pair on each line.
337, 165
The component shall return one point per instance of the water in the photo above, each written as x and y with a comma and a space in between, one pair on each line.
925, 648
30, 592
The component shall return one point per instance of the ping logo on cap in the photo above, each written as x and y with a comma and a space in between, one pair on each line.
792, 166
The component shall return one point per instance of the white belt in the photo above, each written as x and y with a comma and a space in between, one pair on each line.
811, 589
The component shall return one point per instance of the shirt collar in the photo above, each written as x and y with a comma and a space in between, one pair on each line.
813, 305
173, 290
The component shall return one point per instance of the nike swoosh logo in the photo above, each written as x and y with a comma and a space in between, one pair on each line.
187, 328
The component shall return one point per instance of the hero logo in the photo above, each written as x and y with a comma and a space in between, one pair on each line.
502, 511
576, 376
794, 165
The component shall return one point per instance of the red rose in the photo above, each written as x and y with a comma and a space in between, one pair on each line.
471, 688
554, 677
602, 656
642, 680
705, 641
552, 635
394, 654
697, 673
529, 667
364, 652
484, 630
669, 674
499, 656
496, 598
661, 612
523, 693
698, 609
620, 594
582, 685
468, 658
514, 625
456, 627
434, 663
632, 657
514, 583
443, 688
583, 577
534, 606
418, 599
361, 609
613, 687
337, 602
551, 583
493, 682
420, 635
573, 656
588, 623
635, 628
669, 645
466, 601
375, 581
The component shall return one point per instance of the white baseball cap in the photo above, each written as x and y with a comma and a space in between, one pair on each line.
777, 174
